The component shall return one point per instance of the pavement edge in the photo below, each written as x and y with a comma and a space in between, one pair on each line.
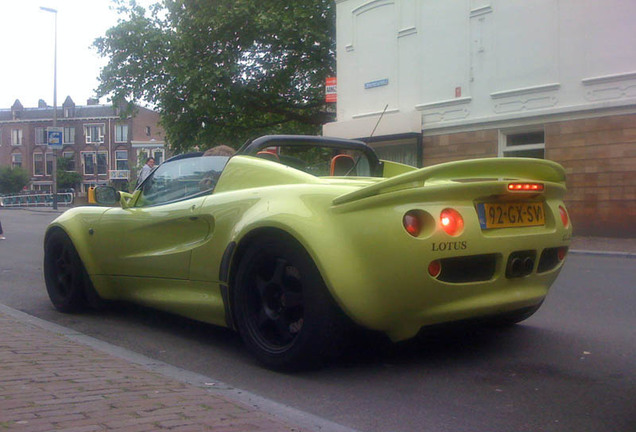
276, 409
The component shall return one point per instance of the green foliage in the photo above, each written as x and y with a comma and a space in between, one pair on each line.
13, 179
223, 71
65, 178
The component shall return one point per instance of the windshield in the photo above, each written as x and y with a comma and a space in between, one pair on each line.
182, 178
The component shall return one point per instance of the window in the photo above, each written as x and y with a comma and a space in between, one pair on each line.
40, 136
158, 156
121, 133
38, 164
95, 163
16, 137
530, 144
148, 130
182, 179
121, 160
89, 163
16, 160
69, 135
94, 133
70, 160
49, 163
69, 112
102, 163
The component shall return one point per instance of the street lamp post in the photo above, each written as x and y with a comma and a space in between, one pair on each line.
54, 186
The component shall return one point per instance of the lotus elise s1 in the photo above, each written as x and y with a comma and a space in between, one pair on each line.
294, 239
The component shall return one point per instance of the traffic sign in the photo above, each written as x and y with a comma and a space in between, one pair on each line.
55, 137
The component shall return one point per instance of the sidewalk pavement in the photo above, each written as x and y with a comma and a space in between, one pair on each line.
55, 379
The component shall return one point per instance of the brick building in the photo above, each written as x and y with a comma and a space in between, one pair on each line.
101, 145
552, 79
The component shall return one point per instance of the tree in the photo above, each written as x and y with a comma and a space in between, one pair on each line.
222, 71
13, 179
66, 178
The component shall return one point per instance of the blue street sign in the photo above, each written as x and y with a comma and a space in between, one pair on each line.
55, 137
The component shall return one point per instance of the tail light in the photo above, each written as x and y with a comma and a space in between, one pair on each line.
562, 252
435, 268
525, 187
564, 216
451, 221
412, 222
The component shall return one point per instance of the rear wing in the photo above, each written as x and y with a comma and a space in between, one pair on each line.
473, 170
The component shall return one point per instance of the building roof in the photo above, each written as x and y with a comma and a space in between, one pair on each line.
44, 114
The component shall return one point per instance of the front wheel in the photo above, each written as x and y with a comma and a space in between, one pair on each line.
64, 274
282, 307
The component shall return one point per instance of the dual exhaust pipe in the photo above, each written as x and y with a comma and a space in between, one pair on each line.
520, 264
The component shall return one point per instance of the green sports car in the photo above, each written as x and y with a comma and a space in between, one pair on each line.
295, 239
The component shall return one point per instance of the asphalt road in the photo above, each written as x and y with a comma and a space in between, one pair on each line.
571, 367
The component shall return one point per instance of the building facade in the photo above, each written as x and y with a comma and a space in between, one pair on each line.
99, 144
442, 81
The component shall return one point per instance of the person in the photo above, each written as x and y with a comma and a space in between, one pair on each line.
208, 181
146, 170
220, 150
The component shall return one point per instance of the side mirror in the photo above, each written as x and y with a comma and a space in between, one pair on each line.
106, 195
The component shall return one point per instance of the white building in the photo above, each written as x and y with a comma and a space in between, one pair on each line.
460, 79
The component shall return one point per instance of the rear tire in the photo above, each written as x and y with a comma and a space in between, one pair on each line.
283, 309
65, 276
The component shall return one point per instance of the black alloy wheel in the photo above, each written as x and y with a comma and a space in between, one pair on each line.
64, 273
283, 310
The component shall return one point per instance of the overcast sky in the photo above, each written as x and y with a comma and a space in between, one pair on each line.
27, 47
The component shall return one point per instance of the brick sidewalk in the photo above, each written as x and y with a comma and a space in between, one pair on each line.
49, 383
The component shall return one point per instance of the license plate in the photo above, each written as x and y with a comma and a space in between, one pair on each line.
509, 215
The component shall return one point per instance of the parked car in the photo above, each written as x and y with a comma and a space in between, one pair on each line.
294, 239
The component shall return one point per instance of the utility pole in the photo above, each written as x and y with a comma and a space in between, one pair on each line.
54, 186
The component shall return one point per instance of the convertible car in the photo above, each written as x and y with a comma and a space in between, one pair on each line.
294, 240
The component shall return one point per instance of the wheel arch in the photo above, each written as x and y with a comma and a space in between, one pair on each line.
233, 255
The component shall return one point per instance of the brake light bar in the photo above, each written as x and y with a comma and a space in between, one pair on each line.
525, 187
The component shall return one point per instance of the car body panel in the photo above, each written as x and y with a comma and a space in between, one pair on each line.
171, 256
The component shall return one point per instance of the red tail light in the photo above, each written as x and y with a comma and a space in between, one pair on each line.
435, 268
412, 223
525, 187
564, 216
451, 221
562, 252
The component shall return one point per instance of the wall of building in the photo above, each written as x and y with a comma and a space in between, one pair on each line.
28, 119
466, 61
599, 157
466, 73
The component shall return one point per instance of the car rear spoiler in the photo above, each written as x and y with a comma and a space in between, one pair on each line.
468, 170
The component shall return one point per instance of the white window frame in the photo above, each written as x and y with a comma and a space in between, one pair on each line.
49, 157
69, 135
35, 171
159, 160
14, 163
118, 159
93, 155
40, 136
69, 155
121, 133
88, 136
506, 150
16, 137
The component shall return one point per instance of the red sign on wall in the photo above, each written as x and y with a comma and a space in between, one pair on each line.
331, 90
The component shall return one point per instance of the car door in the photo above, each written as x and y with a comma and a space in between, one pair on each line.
155, 237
